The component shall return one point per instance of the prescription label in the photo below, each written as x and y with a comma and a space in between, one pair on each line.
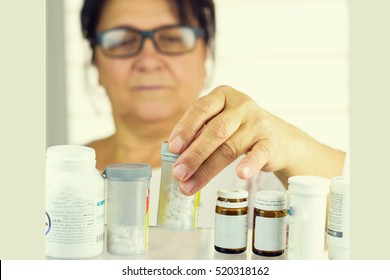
230, 231
270, 233
76, 221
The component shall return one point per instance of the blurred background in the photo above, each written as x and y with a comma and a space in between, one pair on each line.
291, 56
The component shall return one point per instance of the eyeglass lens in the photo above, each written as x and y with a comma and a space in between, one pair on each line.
173, 40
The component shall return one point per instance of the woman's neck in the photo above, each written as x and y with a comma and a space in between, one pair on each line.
140, 142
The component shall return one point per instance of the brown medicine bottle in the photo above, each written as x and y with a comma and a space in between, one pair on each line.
231, 214
269, 223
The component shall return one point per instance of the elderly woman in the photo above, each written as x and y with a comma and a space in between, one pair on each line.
150, 56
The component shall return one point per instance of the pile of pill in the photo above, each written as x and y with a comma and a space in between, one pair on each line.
126, 240
177, 211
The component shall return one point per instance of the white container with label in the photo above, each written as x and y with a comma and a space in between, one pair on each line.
338, 237
74, 203
308, 205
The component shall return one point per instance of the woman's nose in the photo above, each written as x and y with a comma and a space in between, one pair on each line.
148, 58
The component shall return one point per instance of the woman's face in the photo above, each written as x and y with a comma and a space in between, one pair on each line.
149, 86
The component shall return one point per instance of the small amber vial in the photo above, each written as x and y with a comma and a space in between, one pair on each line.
231, 221
269, 223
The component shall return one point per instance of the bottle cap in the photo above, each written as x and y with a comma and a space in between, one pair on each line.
308, 185
233, 194
128, 172
166, 155
270, 200
70, 153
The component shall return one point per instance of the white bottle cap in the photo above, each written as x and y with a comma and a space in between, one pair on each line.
232, 194
270, 200
70, 153
308, 185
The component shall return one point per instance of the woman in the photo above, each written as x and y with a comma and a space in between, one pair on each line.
150, 56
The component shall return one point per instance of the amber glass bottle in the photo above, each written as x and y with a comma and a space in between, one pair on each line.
269, 223
231, 214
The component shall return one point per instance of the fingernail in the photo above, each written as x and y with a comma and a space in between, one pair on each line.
176, 145
180, 171
246, 170
188, 186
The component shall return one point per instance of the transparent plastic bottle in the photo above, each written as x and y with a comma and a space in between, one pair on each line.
74, 203
127, 208
176, 211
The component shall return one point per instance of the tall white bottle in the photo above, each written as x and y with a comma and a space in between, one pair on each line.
338, 229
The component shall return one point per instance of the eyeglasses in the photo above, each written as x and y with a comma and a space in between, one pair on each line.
127, 41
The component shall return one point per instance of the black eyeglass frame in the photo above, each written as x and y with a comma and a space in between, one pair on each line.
198, 32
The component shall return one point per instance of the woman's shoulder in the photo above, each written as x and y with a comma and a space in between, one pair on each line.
103, 150
99, 144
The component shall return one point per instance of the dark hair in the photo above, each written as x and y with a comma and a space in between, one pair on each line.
202, 10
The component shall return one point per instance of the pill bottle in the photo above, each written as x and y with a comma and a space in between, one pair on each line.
176, 211
127, 208
338, 232
231, 221
308, 205
269, 223
74, 203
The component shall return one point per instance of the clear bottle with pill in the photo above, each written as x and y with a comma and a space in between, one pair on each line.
127, 208
74, 203
269, 223
231, 221
176, 211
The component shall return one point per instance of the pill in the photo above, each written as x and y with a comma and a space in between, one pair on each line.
118, 249
173, 223
120, 241
186, 224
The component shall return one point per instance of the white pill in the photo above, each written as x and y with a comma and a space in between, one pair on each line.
182, 216
188, 202
113, 235
125, 234
118, 249
131, 250
186, 224
174, 213
174, 203
120, 241
172, 223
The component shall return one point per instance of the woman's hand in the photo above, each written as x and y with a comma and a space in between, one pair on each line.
225, 124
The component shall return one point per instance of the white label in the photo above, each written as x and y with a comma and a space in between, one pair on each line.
270, 233
294, 236
76, 221
230, 231
335, 215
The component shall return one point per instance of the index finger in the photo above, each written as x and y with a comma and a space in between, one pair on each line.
194, 119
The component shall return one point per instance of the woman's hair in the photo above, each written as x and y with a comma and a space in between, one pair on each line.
202, 10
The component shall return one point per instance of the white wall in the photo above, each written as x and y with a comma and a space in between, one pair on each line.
291, 56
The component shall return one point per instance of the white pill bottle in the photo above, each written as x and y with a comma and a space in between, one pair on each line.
338, 232
74, 203
176, 211
308, 206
